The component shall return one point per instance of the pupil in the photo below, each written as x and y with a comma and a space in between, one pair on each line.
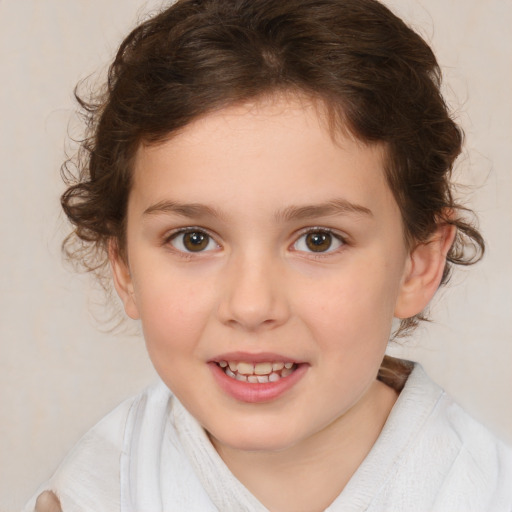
195, 241
318, 242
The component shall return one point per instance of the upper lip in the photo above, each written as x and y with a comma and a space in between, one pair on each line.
260, 357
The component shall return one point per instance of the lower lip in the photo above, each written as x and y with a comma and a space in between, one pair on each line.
258, 392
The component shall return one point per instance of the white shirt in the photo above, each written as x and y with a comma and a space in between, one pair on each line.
151, 455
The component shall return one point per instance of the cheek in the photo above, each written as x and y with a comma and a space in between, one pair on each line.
173, 312
354, 306
173, 320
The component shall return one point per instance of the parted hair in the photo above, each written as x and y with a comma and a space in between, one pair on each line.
376, 77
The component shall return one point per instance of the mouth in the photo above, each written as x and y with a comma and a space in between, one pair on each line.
257, 373
256, 378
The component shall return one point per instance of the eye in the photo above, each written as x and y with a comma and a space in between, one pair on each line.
193, 240
319, 241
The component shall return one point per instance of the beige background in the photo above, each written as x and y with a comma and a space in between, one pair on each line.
59, 375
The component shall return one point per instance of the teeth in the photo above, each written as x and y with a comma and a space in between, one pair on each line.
286, 371
257, 373
245, 368
262, 368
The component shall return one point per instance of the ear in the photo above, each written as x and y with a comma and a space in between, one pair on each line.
122, 280
424, 271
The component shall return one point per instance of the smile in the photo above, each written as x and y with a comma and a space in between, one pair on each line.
258, 373
257, 378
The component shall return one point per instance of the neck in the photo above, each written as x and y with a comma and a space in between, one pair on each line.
311, 474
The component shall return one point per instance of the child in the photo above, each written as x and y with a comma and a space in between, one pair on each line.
270, 182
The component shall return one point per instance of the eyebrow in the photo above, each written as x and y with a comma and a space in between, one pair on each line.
182, 209
290, 213
330, 208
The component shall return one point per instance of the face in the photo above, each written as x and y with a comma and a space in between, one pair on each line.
265, 260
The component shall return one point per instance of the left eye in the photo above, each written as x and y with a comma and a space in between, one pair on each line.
318, 241
193, 241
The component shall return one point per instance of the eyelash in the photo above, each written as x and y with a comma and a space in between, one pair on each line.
335, 237
189, 230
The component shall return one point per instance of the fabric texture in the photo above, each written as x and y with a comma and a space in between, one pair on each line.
151, 455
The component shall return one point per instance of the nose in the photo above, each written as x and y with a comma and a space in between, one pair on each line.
254, 296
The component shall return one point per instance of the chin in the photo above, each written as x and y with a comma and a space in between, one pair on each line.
256, 439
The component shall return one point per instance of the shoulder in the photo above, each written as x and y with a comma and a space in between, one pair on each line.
483, 465
432, 456
472, 466
88, 479
448, 421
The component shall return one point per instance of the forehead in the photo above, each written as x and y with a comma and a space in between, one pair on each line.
276, 151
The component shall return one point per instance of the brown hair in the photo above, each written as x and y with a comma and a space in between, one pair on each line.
376, 76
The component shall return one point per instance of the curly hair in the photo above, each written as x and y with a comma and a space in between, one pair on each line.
377, 78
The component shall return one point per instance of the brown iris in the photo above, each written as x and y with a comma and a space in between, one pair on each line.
195, 241
319, 241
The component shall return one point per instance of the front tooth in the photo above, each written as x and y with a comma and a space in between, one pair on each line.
277, 366
233, 366
243, 378
245, 368
273, 377
262, 379
262, 368
253, 379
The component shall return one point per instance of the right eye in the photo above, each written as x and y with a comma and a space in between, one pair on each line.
193, 240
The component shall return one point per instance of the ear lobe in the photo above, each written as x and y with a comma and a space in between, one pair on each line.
123, 281
424, 272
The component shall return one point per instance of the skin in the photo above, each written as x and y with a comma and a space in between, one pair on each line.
264, 175
47, 502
